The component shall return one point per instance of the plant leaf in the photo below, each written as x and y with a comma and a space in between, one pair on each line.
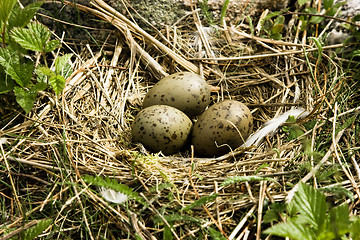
236, 179
328, 4
292, 230
200, 202
7, 84
32, 38
311, 204
6, 7
62, 66
302, 2
35, 231
341, 191
20, 73
216, 235
25, 98
355, 229
58, 83
177, 218
339, 220
20, 17
52, 45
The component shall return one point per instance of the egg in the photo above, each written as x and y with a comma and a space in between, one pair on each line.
222, 127
161, 128
185, 91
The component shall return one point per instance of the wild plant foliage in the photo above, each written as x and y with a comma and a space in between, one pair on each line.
23, 55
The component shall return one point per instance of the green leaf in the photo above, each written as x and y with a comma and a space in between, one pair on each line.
277, 28
58, 83
356, 18
200, 202
302, 2
355, 229
316, 19
339, 220
273, 213
35, 231
45, 71
32, 38
52, 45
20, 17
236, 179
20, 73
319, 46
167, 233
115, 185
6, 83
6, 7
291, 230
224, 8
279, 20
216, 235
341, 191
62, 66
311, 204
178, 218
25, 98
328, 4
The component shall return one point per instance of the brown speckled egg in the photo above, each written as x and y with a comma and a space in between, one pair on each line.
185, 91
222, 127
161, 128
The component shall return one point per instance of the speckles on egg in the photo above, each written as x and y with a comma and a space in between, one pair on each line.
222, 127
185, 91
161, 128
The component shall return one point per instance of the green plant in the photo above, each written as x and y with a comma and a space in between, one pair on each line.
309, 216
330, 10
25, 45
273, 24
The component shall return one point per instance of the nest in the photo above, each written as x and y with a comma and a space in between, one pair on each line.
87, 132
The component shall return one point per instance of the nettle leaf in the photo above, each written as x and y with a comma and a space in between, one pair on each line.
45, 71
20, 73
291, 230
52, 45
311, 204
6, 7
62, 66
25, 98
32, 38
20, 17
58, 83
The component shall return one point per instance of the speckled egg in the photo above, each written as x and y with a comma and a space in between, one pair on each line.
185, 91
222, 127
161, 128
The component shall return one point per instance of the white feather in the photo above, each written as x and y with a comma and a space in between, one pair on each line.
113, 196
272, 125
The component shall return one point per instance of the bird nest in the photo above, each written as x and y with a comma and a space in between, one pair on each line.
86, 132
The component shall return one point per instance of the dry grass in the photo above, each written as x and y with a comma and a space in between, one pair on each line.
87, 132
